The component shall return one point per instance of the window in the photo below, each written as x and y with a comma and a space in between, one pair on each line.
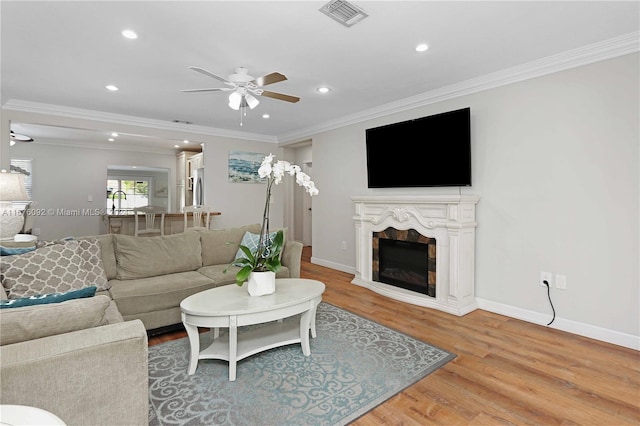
125, 194
24, 166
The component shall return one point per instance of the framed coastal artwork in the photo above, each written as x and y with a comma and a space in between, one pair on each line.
243, 167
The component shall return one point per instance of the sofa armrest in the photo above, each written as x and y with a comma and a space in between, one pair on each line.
292, 258
95, 376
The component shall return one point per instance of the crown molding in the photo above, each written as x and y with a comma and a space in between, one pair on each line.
106, 147
111, 118
607, 49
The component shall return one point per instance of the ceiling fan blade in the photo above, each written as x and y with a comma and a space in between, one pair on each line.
280, 96
210, 74
212, 89
274, 77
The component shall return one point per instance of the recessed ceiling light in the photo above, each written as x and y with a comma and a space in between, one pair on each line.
323, 89
111, 87
185, 141
422, 47
265, 116
176, 146
130, 34
111, 139
114, 134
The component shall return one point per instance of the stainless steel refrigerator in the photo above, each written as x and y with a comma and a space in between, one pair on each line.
198, 187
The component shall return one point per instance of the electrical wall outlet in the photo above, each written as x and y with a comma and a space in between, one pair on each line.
343, 245
546, 276
561, 282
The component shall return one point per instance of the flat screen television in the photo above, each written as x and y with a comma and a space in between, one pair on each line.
428, 151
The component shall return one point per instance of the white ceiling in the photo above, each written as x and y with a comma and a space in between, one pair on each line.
64, 53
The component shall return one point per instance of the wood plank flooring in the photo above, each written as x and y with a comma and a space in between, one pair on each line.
507, 371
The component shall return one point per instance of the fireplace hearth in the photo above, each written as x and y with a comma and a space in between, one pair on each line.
431, 244
405, 259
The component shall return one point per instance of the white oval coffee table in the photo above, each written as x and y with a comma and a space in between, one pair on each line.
231, 307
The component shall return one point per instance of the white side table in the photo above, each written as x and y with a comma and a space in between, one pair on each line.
24, 415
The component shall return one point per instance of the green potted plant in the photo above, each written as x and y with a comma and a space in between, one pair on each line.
259, 266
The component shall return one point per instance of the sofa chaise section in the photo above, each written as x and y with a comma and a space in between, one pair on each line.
76, 359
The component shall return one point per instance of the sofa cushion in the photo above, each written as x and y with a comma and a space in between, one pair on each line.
219, 246
48, 298
143, 257
33, 322
90, 252
56, 268
156, 293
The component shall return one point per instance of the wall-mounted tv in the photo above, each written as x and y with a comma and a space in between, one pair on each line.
428, 151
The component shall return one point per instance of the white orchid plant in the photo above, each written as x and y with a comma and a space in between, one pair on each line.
267, 255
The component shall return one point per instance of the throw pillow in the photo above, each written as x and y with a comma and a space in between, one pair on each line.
90, 252
12, 251
34, 322
48, 298
53, 269
251, 241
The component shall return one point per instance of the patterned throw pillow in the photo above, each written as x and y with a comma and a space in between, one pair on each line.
251, 241
53, 269
90, 252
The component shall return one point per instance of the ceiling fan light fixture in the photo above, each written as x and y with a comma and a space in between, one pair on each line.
252, 102
235, 99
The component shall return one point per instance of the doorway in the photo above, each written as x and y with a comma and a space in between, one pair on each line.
307, 235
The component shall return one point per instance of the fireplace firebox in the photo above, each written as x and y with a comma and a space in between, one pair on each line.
405, 259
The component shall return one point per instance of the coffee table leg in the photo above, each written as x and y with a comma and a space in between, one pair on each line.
305, 320
194, 343
313, 318
233, 347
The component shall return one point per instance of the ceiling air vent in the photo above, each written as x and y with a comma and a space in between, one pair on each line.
344, 12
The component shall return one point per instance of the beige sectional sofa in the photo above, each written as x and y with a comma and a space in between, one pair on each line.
85, 360
148, 277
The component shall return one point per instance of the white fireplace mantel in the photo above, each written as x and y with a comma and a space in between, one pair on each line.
450, 219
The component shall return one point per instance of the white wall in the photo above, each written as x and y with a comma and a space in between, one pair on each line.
64, 177
240, 203
555, 163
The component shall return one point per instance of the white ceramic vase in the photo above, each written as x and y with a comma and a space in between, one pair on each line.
261, 283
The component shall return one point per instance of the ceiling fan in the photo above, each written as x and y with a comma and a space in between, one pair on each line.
243, 87
16, 137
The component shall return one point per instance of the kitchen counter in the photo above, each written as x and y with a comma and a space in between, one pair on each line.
124, 223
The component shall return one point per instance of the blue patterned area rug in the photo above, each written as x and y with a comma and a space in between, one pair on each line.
355, 365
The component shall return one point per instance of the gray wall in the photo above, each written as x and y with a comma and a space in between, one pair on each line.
555, 163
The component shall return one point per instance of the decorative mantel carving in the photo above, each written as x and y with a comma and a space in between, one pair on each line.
450, 219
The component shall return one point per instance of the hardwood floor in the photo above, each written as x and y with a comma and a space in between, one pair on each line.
507, 371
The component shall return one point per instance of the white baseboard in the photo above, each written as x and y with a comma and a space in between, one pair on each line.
586, 330
581, 329
333, 265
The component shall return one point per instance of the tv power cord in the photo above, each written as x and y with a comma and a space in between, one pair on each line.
545, 282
